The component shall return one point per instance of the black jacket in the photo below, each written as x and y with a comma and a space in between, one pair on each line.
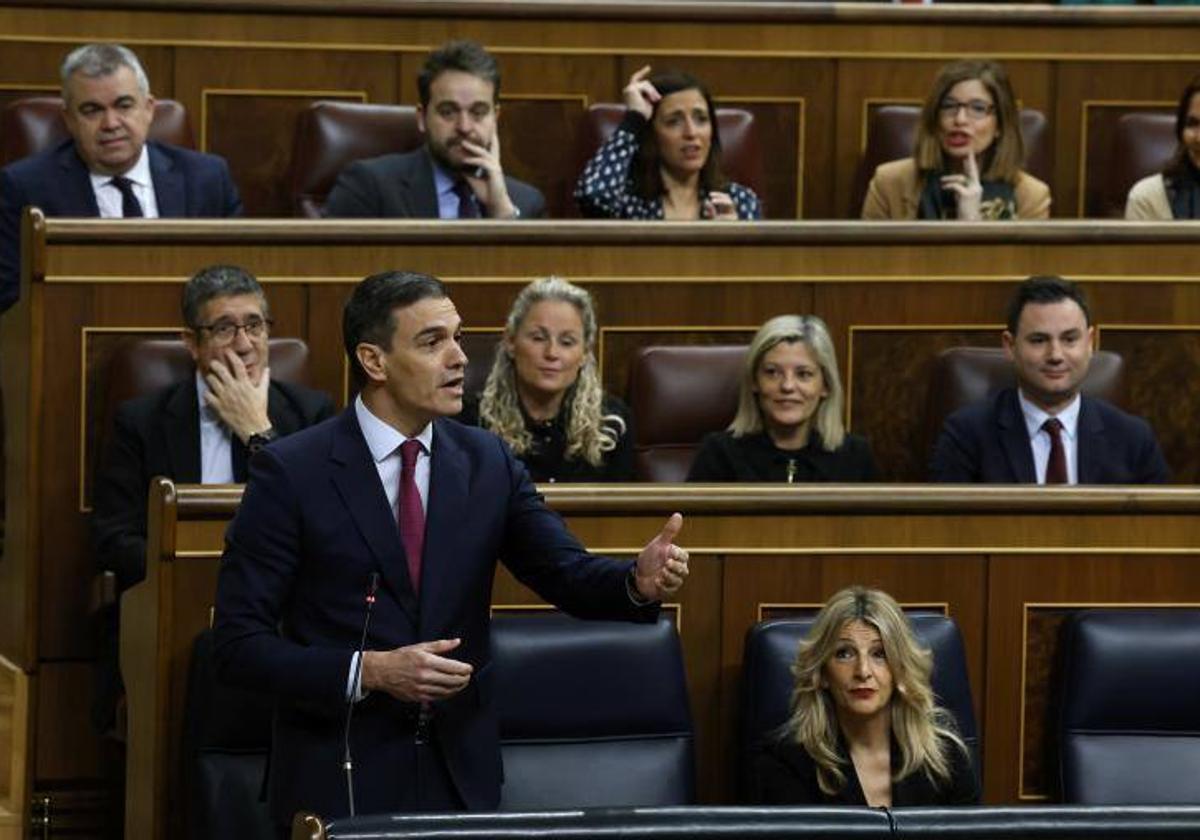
723, 457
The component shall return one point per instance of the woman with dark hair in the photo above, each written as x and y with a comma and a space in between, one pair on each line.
1174, 193
967, 160
664, 159
865, 727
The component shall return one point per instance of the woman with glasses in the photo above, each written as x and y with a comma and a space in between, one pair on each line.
865, 727
543, 396
1174, 193
788, 427
968, 155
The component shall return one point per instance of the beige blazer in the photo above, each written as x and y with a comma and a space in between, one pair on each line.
895, 193
1147, 200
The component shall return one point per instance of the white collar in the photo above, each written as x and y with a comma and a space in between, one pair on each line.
139, 173
1035, 416
382, 438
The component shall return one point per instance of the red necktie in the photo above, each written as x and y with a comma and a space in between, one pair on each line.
1056, 467
412, 514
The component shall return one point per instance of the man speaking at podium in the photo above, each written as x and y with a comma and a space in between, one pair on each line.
391, 503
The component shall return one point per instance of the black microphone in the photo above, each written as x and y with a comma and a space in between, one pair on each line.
347, 761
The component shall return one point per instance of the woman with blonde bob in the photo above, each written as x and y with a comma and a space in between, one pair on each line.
865, 729
543, 395
968, 155
788, 425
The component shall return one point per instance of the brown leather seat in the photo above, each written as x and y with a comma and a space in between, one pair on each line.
892, 131
331, 134
741, 157
143, 366
677, 395
1143, 143
34, 124
965, 375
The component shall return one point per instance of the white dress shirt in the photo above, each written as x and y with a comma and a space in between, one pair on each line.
384, 441
108, 197
216, 441
1039, 438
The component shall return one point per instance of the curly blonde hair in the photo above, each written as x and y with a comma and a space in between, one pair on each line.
923, 730
590, 433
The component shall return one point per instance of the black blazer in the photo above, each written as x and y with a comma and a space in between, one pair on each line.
787, 775
988, 443
723, 457
187, 184
313, 526
401, 186
159, 434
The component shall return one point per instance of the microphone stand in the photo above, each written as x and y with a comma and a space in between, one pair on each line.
347, 761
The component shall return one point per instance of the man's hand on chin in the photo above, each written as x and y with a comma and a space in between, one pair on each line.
662, 566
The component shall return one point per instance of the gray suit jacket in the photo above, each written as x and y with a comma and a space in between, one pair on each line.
401, 186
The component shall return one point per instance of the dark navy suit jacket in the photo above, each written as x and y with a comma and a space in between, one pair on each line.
187, 184
988, 443
314, 524
401, 186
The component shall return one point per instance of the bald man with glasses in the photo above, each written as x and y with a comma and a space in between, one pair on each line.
202, 430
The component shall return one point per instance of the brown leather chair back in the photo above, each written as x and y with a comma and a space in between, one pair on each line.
892, 133
965, 375
142, 366
677, 395
1142, 145
332, 134
480, 348
741, 156
34, 124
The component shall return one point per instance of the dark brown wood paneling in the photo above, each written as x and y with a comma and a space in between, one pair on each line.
1028, 595
245, 102
67, 746
888, 386
1159, 363
1106, 89
618, 348
538, 146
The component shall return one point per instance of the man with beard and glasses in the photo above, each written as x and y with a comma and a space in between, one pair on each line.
457, 174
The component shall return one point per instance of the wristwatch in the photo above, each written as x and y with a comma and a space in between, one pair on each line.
258, 440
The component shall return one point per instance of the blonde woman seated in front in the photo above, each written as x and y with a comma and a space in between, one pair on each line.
967, 160
865, 729
543, 395
1174, 193
788, 425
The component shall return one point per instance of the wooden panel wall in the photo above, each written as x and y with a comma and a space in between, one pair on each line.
1009, 565
809, 73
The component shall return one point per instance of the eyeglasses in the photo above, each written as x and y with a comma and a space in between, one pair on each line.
977, 109
224, 332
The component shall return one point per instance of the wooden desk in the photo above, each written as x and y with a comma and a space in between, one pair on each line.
812, 73
892, 294
1008, 564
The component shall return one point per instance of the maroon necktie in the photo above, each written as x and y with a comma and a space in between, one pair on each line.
467, 209
412, 515
1056, 467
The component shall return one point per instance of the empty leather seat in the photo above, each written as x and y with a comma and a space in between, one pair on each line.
226, 740
964, 375
741, 155
1143, 143
592, 713
892, 132
767, 681
34, 124
332, 134
677, 395
1130, 710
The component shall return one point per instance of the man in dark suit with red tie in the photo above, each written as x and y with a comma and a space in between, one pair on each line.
107, 169
393, 491
1044, 431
